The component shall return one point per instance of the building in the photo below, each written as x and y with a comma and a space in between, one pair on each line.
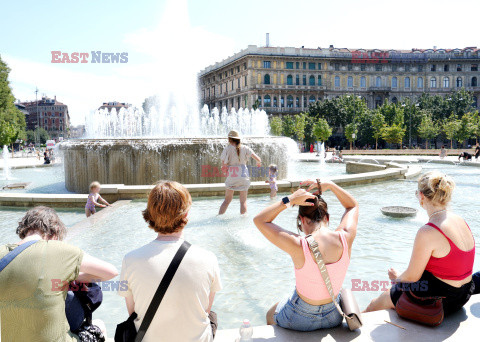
114, 104
77, 131
49, 114
285, 80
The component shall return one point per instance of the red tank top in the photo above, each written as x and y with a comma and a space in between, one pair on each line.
456, 265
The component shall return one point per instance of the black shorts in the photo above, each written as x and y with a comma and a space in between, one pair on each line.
430, 286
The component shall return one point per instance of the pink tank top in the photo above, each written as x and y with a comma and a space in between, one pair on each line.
309, 281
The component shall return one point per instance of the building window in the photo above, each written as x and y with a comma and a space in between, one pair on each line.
433, 67
311, 66
304, 79
297, 80
297, 65
394, 100
475, 102
337, 67
446, 68
304, 65
363, 81
433, 82
350, 82
363, 67
311, 99
420, 68
311, 80
459, 67
420, 83
350, 67
289, 65
407, 82
394, 82
259, 100
474, 81
304, 102
459, 82
290, 101
474, 67
297, 102
378, 81
275, 104
319, 80
238, 83
245, 81
266, 79
394, 67
267, 64
267, 102
289, 80
407, 68
282, 102
337, 81
378, 67
319, 66
446, 82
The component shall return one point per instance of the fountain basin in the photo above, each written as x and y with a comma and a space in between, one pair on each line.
399, 211
145, 161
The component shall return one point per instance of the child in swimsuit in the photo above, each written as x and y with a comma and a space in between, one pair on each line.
272, 180
93, 199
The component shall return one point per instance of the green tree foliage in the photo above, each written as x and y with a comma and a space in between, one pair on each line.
451, 126
288, 127
428, 129
466, 128
12, 120
378, 125
299, 126
39, 133
393, 133
276, 126
322, 130
476, 124
351, 131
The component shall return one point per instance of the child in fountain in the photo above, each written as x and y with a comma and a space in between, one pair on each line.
93, 199
272, 180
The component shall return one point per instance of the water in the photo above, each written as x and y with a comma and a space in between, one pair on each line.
6, 164
48, 180
322, 154
167, 122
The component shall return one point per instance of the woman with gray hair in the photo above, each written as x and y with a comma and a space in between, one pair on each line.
34, 277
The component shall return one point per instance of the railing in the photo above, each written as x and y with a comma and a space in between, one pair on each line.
380, 89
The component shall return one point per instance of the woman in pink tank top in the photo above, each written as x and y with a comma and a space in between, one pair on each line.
443, 252
310, 307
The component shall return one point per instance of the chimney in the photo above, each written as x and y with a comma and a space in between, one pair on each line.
268, 40
331, 46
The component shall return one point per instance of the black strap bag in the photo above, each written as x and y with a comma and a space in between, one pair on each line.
126, 331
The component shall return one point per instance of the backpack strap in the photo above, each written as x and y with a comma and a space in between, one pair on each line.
161, 290
13, 254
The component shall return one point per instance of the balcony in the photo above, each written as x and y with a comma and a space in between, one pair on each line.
380, 89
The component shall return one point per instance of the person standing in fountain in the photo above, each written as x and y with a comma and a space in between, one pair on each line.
234, 160
93, 199
443, 252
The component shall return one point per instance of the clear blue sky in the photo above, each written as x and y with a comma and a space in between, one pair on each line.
30, 30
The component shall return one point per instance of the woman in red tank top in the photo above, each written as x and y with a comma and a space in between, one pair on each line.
443, 253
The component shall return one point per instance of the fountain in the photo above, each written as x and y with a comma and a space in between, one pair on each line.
322, 154
173, 138
6, 164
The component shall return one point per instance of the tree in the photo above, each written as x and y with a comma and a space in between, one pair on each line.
378, 124
428, 129
393, 133
322, 130
299, 126
476, 125
351, 131
466, 128
451, 126
288, 127
12, 120
276, 125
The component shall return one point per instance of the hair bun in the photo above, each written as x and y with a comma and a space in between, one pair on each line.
437, 186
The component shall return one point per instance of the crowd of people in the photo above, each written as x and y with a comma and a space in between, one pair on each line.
31, 309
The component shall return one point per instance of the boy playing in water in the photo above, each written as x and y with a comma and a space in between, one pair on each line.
272, 180
93, 199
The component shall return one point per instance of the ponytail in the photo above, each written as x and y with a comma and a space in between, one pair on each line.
237, 145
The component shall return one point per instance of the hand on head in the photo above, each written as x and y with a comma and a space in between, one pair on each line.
314, 185
300, 197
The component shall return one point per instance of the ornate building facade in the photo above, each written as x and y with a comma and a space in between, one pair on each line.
285, 80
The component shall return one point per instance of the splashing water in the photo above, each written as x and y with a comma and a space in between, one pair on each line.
158, 122
6, 164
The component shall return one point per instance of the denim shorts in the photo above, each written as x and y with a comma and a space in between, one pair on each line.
295, 314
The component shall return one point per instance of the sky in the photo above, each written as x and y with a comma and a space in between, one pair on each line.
169, 40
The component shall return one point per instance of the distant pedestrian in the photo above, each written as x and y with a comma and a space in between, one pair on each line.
477, 152
443, 152
465, 155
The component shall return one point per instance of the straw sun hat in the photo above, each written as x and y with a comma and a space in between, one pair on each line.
234, 134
